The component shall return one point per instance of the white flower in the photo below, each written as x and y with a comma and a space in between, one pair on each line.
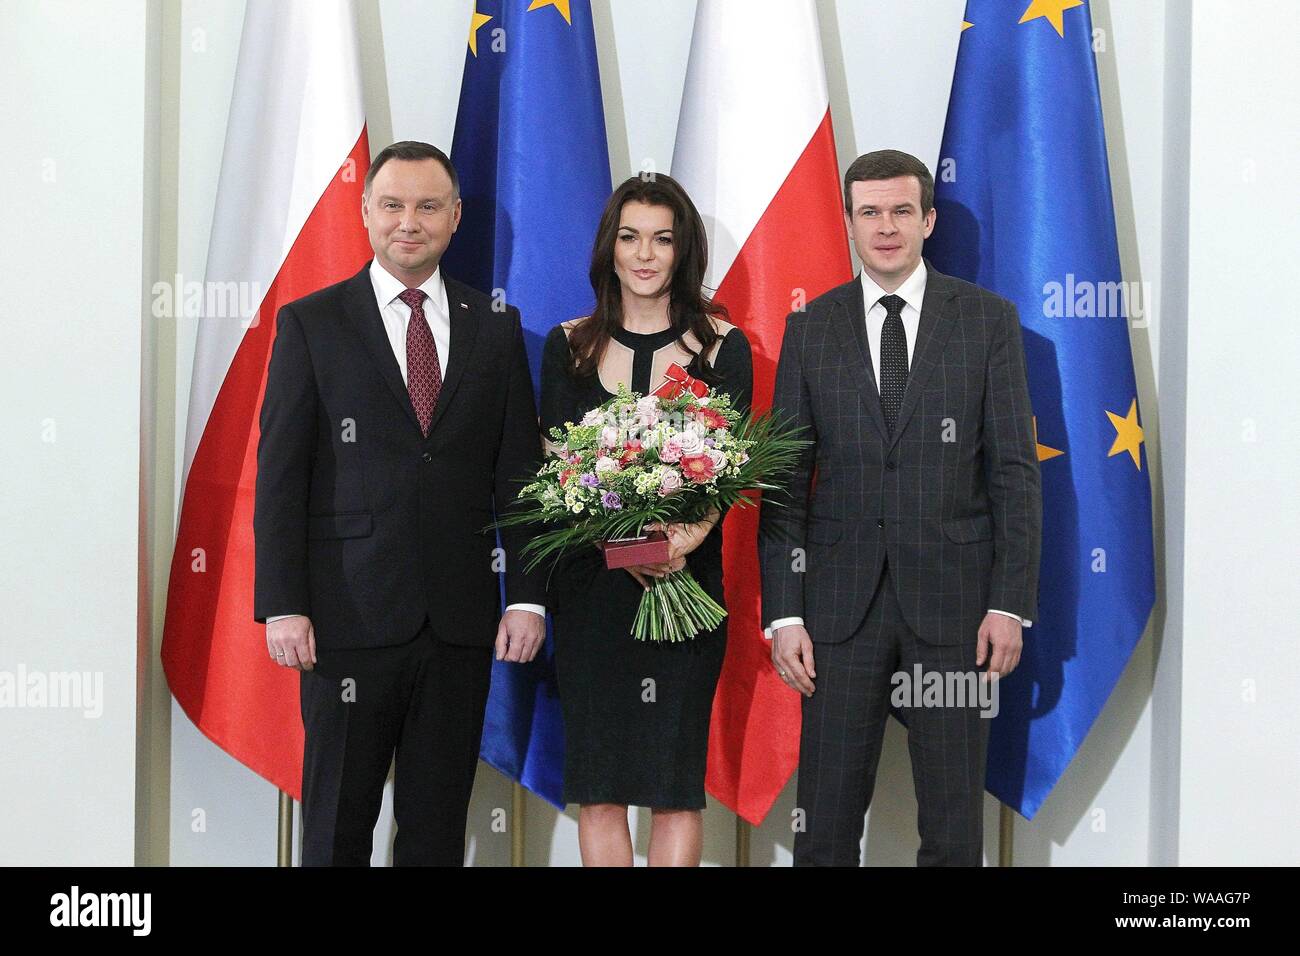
703, 401
717, 457
691, 441
605, 463
593, 417
609, 436
647, 410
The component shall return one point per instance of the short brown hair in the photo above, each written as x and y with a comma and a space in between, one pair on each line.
411, 149
888, 164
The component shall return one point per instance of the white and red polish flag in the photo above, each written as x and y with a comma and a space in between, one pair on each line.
287, 222
756, 152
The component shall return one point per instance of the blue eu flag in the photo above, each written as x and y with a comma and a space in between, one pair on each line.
1024, 208
531, 155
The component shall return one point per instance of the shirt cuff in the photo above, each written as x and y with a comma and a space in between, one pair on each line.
1014, 617
535, 608
280, 617
780, 622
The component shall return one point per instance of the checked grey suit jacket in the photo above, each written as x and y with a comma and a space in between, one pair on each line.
952, 498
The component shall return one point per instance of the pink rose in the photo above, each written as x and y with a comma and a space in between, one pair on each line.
670, 482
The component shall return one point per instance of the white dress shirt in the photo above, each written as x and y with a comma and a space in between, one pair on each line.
397, 316
912, 292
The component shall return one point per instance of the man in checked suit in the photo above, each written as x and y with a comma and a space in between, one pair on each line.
398, 414
918, 543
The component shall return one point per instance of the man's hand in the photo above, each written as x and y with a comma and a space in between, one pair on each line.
291, 642
792, 656
1003, 633
519, 636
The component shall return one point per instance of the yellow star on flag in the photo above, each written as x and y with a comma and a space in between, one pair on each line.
1044, 452
561, 5
1050, 10
1128, 434
477, 21
966, 25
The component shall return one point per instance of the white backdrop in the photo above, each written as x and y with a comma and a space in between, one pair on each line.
1191, 761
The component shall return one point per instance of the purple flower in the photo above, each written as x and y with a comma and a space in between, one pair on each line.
710, 442
589, 480
611, 500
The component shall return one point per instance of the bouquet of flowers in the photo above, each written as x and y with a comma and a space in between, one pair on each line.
673, 456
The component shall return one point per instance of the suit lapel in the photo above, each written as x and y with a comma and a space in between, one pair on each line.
851, 326
370, 326
938, 316
464, 329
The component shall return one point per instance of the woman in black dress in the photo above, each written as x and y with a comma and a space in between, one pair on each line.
636, 714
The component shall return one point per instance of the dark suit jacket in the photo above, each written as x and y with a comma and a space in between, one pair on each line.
952, 499
361, 522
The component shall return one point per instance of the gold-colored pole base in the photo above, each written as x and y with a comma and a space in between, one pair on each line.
517, 824
284, 832
743, 831
1006, 835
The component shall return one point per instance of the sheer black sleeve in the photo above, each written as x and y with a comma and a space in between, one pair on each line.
557, 384
734, 367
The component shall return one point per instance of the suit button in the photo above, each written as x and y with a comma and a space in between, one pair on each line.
880, 522
426, 457
890, 465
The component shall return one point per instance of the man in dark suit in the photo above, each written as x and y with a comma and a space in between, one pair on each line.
376, 475
916, 553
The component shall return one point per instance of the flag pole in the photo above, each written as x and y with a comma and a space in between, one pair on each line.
1006, 834
517, 830
743, 830
284, 832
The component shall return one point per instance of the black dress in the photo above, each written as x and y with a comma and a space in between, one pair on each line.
636, 714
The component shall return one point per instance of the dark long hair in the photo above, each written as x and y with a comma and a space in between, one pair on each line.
688, 308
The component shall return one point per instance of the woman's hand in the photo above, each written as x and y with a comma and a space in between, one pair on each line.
682, 540
645, 572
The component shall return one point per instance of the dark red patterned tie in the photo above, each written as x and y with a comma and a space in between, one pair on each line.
423, 373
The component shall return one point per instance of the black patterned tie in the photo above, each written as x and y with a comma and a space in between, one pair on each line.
893, 359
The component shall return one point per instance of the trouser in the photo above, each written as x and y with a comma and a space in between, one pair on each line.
844, 726
422, 701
